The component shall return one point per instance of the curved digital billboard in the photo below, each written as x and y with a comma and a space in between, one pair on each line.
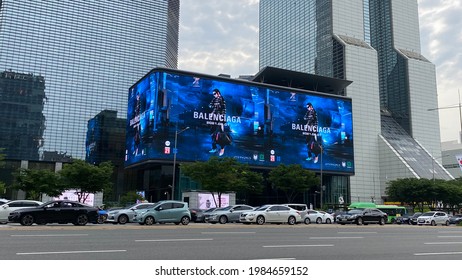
257, 124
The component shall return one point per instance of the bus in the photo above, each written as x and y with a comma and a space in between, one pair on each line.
392, 211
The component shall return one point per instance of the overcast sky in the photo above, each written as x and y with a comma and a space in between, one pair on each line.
218, 36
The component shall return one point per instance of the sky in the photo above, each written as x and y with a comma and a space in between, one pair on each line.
221, 37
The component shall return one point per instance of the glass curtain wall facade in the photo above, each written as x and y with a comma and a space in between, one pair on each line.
89, 53
376, 45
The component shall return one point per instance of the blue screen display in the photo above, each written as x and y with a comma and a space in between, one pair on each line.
198, 117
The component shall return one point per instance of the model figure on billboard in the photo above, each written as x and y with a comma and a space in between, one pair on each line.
311, 130
217, 131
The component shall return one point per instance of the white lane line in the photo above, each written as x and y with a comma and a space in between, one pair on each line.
292, 246
442, 243
228, 232
356, 232
47, 235
71, 252
274, 259
450, 231
450, 236
174, 240
442, 253
338, 237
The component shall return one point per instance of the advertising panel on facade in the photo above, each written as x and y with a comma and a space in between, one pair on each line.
198, 116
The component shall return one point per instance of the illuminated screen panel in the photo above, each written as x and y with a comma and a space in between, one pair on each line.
258, 125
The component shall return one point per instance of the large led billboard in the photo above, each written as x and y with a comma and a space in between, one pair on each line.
257, 124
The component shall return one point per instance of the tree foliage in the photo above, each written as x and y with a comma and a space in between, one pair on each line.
86, 178
36, 182
221, 175
420, 192
293, 180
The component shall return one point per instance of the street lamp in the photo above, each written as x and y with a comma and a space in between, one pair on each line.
321, 177
174, 157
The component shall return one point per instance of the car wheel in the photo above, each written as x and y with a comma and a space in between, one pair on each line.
27, 220
410, 222
447, 223
123, 219
260, 220
433, 223
359, 221
223, 219
307, 221
319, 221
291, 221
185, 220
149, 221
328, 221
382, 221
81, 220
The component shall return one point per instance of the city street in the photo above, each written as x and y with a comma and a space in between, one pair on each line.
230, 242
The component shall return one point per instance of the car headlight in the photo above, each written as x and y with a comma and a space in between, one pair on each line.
251, 215
353, 216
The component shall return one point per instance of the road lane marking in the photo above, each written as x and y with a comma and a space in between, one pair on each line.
71, 252
356, 232
441, 243
47, 235
338, 237
229, 232
274, 259
292, 246
442, 253
450, 236
174, 240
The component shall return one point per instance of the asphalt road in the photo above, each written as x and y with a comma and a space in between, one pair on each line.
230, 242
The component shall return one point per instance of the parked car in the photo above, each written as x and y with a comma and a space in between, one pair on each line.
413, 218
404, 219
200, 216
363, 216
3, 201
227, 214
195, 213
58, 211
167, 211
271, 214
125, 215
10, 206
327, 218
456, 219
433, 218
302, 209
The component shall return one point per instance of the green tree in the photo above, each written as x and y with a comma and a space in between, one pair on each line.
419, 192
221, 175
130, 198
86, 178
293, 180
36, 182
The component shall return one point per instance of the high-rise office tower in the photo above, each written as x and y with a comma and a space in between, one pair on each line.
376, 45
89, 53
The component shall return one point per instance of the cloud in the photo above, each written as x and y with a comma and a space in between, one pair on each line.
218, 36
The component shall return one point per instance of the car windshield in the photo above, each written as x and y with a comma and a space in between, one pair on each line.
355, 211
225, 208
261, 208
427, 214
210, 210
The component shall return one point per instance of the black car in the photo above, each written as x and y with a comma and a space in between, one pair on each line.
404, 219
413, 218
456, 219
363, 216
58, 211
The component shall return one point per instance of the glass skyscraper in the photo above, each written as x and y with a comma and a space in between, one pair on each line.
376, 45
87, 55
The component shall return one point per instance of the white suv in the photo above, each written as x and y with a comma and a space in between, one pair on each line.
433, 218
